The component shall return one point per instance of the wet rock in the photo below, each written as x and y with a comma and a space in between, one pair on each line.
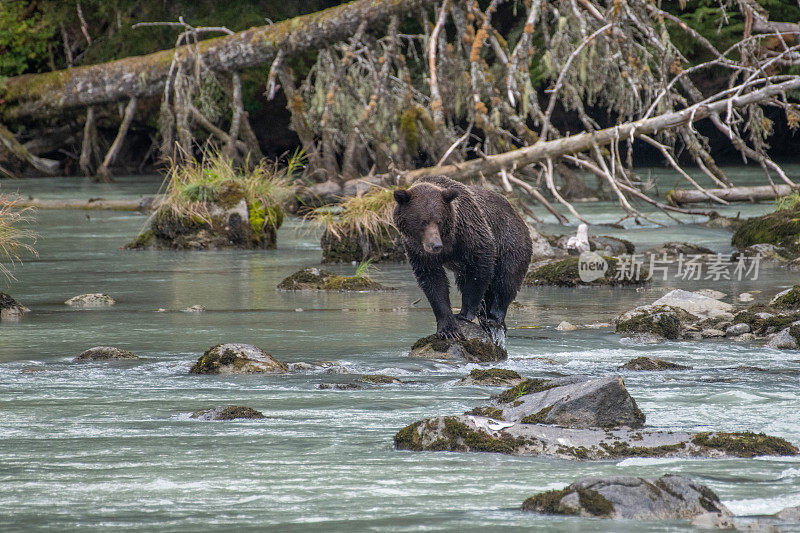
494, 377
793, 265
91, 300
652, 363
480, 433
10, 309
339, 386
607, 246
194, 309
566, 326
381, 246
301, 367
746, 297
230, 412
477, 346
379, 379
767, 252
664, 322
565, 273
669, 497
542, 248
574, 402
737, 329
673, 249
787, 299
335, 369
719, 221
745, 337
711, 293
104, 353
783, 340
235, 358
790, 514
712, 333
315, 279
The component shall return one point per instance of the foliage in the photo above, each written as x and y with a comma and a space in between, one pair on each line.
24, 38
364, 269
370, 214
13, 236
787, 202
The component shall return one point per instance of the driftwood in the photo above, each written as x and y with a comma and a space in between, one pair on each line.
13, 154
146, 204
733, 194
38, 95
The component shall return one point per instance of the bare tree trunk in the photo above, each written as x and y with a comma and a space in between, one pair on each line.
38, 95
13, 153
103, 172
732, 194
85, 161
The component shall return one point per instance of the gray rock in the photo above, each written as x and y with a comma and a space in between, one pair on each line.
737, 329
104, 353
669, 497
327, 192
711, 293
768, 252
10, 309
233, 358
712, 333
339, 386
783, 340
566, 326
652, 363
542, 249
91, 300
574, 402
662, 321
745, 337
301, 367
696, 304
194, 309
764, 316
477, 347
230, 412
495, 377
746, 297
336, 369
481, 433
671, 249
790, 514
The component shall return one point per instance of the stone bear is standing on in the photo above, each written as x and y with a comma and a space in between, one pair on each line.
475, 233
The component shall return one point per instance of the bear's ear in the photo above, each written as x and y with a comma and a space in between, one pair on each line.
449, 195
402, 196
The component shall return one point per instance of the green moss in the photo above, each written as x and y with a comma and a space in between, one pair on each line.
463, 438
660, 322
761, 326
409, 438
320, 280
549, 503
385, 245
790, 300
622, 449
564, 273
493, 374
482, 351
490, 412
745, 444
210, 361
143, 240
537, 418
529, 386
232, 412
781, 228
595, 503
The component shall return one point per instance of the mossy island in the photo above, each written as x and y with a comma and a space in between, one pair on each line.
216, 204
780, 228
316, 279
565, 273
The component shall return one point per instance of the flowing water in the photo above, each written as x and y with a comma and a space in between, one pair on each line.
103, 445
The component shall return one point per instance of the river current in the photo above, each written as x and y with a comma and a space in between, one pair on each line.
110, 445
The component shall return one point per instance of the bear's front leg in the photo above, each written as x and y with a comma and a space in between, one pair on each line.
473, 284
434, 283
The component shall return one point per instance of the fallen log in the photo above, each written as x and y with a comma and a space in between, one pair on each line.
679, 197
41, 95
144, 204
544, 150
15, 154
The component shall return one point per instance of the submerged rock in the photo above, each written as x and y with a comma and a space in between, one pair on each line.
230, 412
96, 299
378, 379
315, 279
495, 377
104, 353
565, 273
381, 246
476, 347
234, 358
652, 363
669, 497
674, 249
10, 309
339, 386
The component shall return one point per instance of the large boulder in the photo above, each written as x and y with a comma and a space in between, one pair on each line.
230, 412
476, 347
662, 322
669, 497
235, 358
574, 402
10, 309
382, 245
696, 304
104, 353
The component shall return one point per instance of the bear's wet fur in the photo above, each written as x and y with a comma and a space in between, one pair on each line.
471, 231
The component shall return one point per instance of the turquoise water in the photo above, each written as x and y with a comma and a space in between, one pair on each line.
102, 445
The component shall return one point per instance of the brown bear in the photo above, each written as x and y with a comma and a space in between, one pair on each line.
473, 232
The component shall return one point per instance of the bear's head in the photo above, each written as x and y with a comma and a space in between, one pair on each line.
424, 215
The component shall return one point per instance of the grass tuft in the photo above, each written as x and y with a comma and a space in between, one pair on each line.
369, 214
13, 234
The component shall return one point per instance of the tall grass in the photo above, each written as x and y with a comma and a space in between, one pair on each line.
13, 234
193, 186
787, 202
369, 214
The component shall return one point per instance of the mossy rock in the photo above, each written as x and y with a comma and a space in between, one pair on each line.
789, 299
489, 412
762, 326
746, 444
379, 379
10, 309
652, 363
230, 412
781, 228
476, 347
564, 273
497, 377
455, 436
315, 279
529, 386
234, 358
663, 321
105, 353
384, 246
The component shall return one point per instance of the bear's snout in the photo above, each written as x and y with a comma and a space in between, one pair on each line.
431, 239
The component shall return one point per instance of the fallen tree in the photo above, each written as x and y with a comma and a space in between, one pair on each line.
757, 193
